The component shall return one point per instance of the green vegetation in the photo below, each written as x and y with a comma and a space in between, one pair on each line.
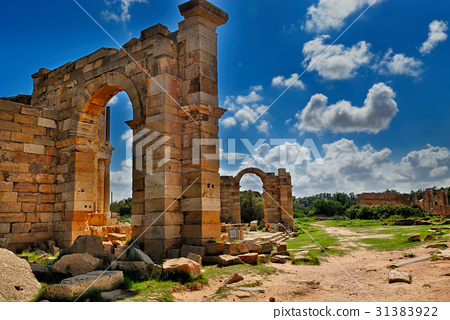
367, 234
162, 289
39, 258
343, 206
122, 207
214, 272
307, 260
315, 238
252, 206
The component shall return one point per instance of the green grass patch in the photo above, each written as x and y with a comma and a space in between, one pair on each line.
154, 290
215, 272
320, 238
253, 284
39, 258
307, 260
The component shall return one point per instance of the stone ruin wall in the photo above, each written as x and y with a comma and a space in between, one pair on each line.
436, 202
54, 153
31, 209
374, 199
277, 194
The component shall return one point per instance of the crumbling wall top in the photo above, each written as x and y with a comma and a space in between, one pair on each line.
205, 9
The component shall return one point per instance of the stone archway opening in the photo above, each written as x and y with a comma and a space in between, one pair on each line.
91, 159
277, 193
252, 199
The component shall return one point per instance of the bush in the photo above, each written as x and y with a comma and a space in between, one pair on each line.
384, 211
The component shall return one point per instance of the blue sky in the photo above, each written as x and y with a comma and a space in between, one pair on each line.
375, 103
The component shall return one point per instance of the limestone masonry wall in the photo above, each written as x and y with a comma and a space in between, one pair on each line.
31, 208
56, 156
277, 194
374, 199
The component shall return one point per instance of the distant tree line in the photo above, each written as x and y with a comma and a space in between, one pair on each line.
344, 205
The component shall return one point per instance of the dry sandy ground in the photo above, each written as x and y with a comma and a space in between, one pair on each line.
358, 276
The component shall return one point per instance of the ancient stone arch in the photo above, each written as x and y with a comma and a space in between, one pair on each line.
171, 80
277, 193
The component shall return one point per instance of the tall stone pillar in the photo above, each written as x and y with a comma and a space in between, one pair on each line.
286, 202
197, 42
107, 187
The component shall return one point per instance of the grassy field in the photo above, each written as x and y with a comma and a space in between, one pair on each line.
369, 234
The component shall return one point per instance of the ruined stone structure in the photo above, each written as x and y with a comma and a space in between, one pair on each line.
436, 202
375, 199
55, 156
277, 193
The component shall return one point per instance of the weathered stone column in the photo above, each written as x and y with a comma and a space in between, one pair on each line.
161, 150
197, 41
285, 196
107, 187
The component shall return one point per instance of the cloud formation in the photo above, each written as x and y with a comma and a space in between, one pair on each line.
347, 167
398, 64
335, 62
330, 14
292, 82
123, 14
246, 110
376, 114
436, 34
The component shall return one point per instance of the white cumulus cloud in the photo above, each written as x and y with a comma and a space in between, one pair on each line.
246, 110
252, 97
292, 82
436, 34
398, 64
122, 14
263, 126
330, 14
335, 62
229, 122
121, 181
376, 114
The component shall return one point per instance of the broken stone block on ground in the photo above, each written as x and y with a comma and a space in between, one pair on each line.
76, 264
181, 267
195, 257
266, 247
278, 259
250, 258
228, 260
201, 251
17, 281
415, 237
86, 244
136, 270
69, 289
213, 249
138, 255
235, 277
399, 276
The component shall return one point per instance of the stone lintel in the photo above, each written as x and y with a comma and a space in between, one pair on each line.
133, 124
204, 9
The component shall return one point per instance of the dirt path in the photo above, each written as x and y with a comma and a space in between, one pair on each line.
358, 276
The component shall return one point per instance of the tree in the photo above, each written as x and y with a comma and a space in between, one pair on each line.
252, 206
122, 207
